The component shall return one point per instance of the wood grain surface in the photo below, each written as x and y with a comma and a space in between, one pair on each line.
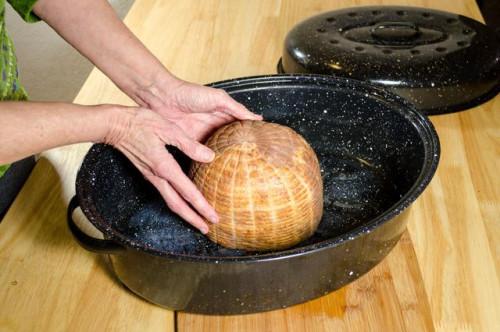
443, 275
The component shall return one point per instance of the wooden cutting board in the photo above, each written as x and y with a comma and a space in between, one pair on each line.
443, 275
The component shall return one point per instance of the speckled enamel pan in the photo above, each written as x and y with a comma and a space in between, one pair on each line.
377, 154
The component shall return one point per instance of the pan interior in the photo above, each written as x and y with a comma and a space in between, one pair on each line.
370, 154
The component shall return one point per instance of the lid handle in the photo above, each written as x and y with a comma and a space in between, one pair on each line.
395, 31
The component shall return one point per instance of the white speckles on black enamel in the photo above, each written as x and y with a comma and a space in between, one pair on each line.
402, 49
370, 152
377, 155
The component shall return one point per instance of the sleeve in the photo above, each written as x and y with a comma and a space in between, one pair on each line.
25, 9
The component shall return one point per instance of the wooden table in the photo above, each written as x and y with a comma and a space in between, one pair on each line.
443, 275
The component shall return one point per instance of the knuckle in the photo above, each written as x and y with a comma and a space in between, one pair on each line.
189, 194
148, 175
158, 164
197, 199
175, 141
194, 149
162, 167
187, 145
222, 93
179, 139
174, 205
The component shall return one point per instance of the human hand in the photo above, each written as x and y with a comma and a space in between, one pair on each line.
141, 135
197, 109
186, 114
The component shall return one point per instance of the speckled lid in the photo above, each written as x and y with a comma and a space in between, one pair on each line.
441, 62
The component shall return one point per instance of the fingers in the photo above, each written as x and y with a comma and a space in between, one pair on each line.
145, 147
224, 117
192, 148
237, 110
200, 126
193, 98
172, 172
178, 205
165, 169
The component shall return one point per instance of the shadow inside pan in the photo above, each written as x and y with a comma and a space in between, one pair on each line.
370, 155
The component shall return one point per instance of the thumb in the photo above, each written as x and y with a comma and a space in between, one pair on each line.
230, 106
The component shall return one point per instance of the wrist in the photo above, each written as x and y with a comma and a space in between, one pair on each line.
151, 90
118, 121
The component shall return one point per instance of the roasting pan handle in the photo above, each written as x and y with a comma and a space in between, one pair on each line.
88, 242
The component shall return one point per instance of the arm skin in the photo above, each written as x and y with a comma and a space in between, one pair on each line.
28, 128
93, 28
172, 112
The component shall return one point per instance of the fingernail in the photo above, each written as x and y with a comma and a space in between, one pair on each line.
204, 229
209, 155
214, 218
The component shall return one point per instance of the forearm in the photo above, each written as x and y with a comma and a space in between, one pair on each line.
29, 128
93, 28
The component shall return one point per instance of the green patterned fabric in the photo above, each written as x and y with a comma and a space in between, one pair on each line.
10, 88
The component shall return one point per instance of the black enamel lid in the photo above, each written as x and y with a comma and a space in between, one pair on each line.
441, 62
